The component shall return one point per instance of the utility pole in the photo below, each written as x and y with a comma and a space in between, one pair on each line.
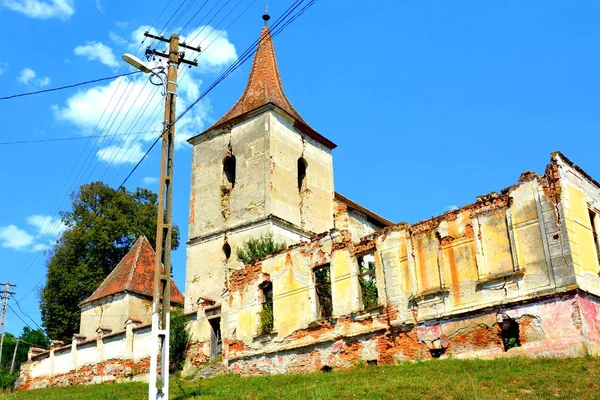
5, 293
159, 385
12, 364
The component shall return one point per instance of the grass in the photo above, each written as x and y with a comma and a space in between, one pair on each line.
514, 378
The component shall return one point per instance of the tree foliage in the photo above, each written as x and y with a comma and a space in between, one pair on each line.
29, 338
257, 248
101, 227
178, 341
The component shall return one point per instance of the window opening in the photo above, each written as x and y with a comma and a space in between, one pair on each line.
509, 332
215, 337
302, 165
266, 313
227, 251
368, 280
594, 231
229, 169
323, 289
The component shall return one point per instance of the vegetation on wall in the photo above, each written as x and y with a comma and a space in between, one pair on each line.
101, 227
179, 340
257, 248
368, 283
265, 319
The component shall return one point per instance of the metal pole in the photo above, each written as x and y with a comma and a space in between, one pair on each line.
159, 384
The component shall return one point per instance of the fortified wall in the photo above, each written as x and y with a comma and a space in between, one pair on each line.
515, 273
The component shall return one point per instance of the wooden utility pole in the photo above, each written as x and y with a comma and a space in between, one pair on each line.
159, 383
5, 293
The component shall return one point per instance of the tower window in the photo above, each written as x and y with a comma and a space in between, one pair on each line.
302, 165
229, 170
227, 251
323, 289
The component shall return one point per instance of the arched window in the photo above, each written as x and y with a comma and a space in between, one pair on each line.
227, 251
302, 166
229, 169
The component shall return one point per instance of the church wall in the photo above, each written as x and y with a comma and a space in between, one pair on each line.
312, 207
214, 206
456, 277
580, 196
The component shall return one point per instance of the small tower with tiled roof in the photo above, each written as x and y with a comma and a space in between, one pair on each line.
125, 293
260, 169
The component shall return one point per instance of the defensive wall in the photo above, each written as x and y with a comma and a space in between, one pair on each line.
108, 357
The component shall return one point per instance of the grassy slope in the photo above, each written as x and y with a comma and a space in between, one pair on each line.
577, 378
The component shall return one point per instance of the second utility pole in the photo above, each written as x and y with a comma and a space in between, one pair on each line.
159, 384
5, 293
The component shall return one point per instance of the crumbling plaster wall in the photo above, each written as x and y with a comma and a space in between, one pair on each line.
352, 221
579, 195
507, 248
111, 312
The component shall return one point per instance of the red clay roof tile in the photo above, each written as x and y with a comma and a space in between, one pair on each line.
134, 274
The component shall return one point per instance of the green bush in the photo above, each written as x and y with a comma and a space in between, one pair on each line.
265, 320
255, 249
179, 340
6, 378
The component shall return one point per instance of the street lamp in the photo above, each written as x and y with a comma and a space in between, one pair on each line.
156, 72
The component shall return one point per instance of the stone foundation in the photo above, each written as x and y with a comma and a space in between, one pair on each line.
560, 326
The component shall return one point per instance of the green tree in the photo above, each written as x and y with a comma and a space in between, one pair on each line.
101, 227
179, 340
29, 338
257, 248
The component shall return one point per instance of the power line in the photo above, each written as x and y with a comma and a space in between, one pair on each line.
70, 138
243, 58
24, 313
68, 86
18, 316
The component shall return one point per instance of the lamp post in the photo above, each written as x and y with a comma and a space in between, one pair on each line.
158, 384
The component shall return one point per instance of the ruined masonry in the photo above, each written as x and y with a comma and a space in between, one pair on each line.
514, 273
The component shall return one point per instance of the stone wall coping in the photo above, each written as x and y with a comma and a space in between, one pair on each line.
500, 277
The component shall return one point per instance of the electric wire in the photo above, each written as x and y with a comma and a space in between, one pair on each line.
66, 138
193, 16
23, 312
69, 86
245, 56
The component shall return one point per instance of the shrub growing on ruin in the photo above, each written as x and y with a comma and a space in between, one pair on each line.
179, 340
257, 248
265, 317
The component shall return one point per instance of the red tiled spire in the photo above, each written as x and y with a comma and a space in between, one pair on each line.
264, 84
133, 274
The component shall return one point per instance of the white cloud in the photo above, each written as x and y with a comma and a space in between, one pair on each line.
14, 238
99, 6
40, 247
116, 39
61, 9
138, 105
149, 180
97, 51
128, 152
3, 67
451, 207
45, 81
46, 225
27, 76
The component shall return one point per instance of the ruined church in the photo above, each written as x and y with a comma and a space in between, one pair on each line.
514, 273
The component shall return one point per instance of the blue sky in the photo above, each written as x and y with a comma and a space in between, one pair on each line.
431, 103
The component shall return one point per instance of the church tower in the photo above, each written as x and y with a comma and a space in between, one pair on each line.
260, 169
